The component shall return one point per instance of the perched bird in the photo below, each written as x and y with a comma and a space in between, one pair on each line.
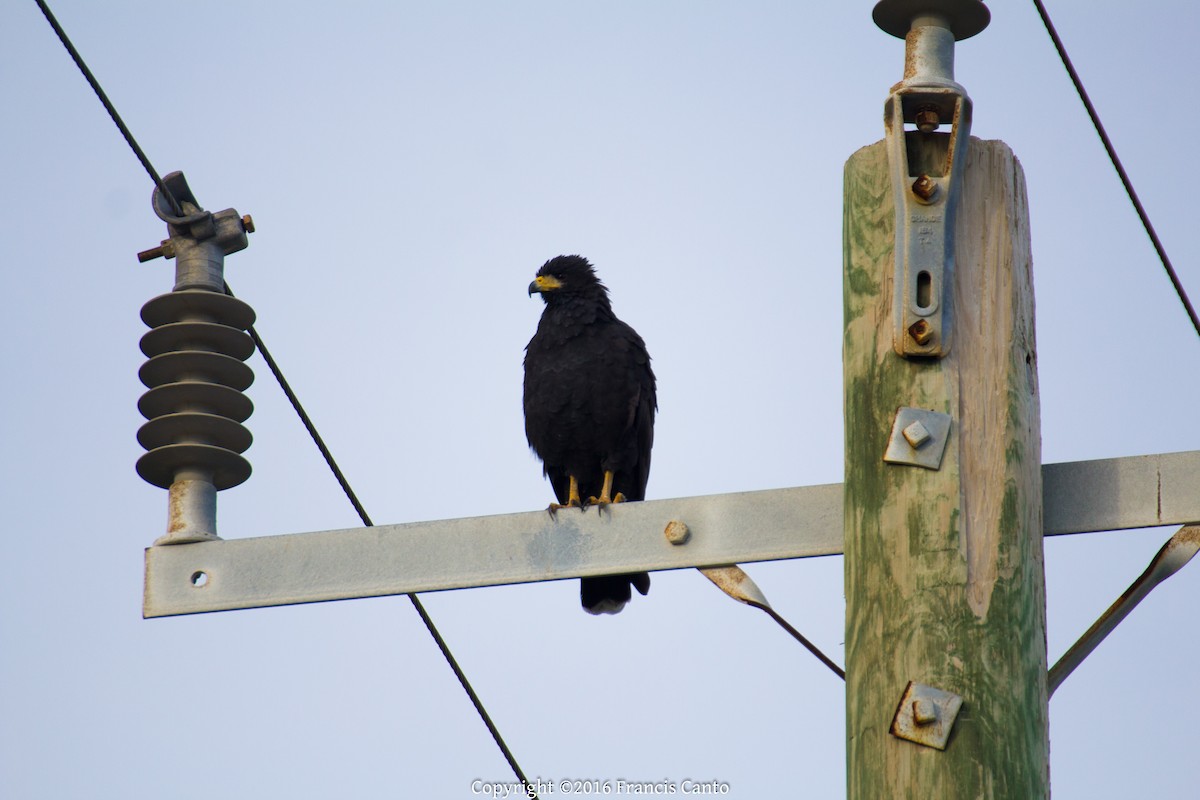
589, 406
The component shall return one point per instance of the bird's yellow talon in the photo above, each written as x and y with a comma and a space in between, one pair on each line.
573, 500
606, 497
589, 400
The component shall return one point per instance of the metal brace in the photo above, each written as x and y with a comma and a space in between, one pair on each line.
926, 166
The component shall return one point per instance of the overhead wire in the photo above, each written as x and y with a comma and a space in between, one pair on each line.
273, 366
108, 106
1116, 162
366, 519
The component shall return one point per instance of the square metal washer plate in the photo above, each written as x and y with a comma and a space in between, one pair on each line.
929, 454
926, 715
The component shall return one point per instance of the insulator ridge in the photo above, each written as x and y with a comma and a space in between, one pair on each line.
195, 407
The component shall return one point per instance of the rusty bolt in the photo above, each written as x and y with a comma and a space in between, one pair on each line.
925, 187
248, 223
927, 119
164, 250
677, 532
921, 332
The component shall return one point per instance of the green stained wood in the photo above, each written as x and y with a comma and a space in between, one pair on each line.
944, 570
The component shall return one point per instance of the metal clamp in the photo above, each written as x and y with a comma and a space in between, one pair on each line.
926, 166
198, 240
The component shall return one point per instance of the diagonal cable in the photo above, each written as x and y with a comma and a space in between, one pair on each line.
108, 106
287, 390
366, 519
1116, 162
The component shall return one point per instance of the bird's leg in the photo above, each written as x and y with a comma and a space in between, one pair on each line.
573, 500
606, 493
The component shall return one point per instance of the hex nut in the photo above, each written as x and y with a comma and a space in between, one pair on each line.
927, 120
677, 533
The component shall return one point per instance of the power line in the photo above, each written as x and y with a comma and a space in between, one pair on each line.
291, 396
1116, 162
108, 106
366, 519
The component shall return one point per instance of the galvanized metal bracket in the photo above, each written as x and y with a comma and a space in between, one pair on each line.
1174, 555
220, 575
926, 715
926, 166
918, 438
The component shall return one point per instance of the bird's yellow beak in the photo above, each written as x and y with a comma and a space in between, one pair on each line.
544, 283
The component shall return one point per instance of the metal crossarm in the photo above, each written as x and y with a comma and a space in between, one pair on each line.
1080, 497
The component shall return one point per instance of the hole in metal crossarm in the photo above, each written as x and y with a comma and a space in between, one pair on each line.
199, 579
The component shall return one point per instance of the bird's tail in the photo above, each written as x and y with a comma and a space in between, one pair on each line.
610, 593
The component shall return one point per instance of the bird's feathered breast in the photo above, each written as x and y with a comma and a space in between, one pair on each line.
589, 392
590, 401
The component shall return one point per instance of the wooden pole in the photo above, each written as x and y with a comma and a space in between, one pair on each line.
944, 570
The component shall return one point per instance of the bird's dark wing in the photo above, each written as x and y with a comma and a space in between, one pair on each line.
589, 400
634, 393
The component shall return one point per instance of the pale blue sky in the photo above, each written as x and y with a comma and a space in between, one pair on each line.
409, 166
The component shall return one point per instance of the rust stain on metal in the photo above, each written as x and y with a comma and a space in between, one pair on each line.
927, 119
1158, 494
734, 581
910, 53
1189, 534
177, 505
921, 331
925, 187
677, 532
165, 250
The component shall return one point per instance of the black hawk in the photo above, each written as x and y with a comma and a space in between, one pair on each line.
589, 406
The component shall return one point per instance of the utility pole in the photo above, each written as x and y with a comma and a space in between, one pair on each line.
942, 512
945, 620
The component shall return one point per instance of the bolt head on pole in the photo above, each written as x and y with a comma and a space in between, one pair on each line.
965, 17
926, 715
